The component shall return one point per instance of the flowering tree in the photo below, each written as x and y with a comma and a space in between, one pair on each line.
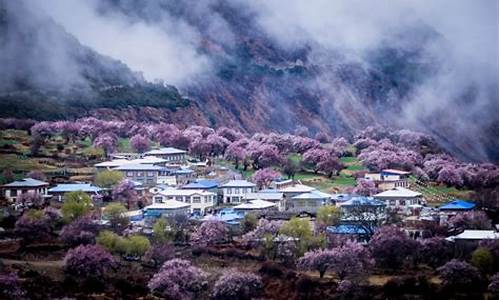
329, 166
178, 279
229, 134
217, 143
434, 251
365, 187
210, 232
124, 192
234, 284
81, 231
264, 177
106, 141
200, 147
236, 153
493, 286
88, 261
36, 174
313, 156
264, 155
321, 137
390, 247
350, 259
30, 199
302, 144
140, 143
469, 220
317, 260
459, 275
159, 253
10, 286
36, 225
450, 176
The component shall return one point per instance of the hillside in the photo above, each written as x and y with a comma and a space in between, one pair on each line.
255, 82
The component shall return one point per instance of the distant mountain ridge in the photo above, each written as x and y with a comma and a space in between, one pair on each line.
257, 85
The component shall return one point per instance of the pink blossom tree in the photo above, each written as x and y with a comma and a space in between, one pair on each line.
329, 166
365, 187
313, 156
81, 231
236, 153
140, 143
321, 137
124, 192
317, 260
88, 261
178, 279
10, 286
450, 176
390, 247
210, 232
434, 251
459, 275
217, 143
234, 284
107, 142
200, 147
30, 199
264, 155
469, 220
264, 177
229, 134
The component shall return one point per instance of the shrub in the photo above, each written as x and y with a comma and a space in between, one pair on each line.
161, 232
178, 279
391, 247
459, 275
136, 246
76, 204
115, 213
81, 231
107, 179
110, 240
10, 287
37, 225
88, 261
159, 253
237, 285
210, 233
483, 260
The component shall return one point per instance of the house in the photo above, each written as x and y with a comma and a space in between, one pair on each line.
168, 208
59, 190
359, 208
160, 187
467, 241
18, 187
308, 202
169, 153
200, 201
115, 163
144, 173
174, 176
270, 195
353, 231
257, 205
235, 190
296, 189
400, 199
227, 215
202, 184
389, 179
125, 155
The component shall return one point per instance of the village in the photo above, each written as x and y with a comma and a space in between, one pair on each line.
152, 204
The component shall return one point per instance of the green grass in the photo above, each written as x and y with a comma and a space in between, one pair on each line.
18, 163
7, 142
124, 145
295, 157
348, 159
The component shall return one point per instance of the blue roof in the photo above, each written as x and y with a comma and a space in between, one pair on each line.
201, 184
73, 187
458, 204
346, 229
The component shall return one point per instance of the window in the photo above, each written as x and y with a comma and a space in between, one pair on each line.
178, 198
130, 174
301, 203
228, 191
237, 190
402, 202
151, 174
150, 180
235, 199
196, 199
158, 199
140, 174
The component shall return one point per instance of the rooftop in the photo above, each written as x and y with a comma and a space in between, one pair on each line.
238, 183
395, 171
475, 235
362, 200
254, 204
168, 204
346, 229
26, 182
201, 184
398, 192
73, 187
138, 167
264, 195
313, 195
165, 151
298, 188
185, 192
458, 204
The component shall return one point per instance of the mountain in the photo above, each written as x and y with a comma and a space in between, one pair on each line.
255, 83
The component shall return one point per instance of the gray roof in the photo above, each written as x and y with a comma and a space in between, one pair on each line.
73, 187
313, 195
138, 167
264, 196
238, 183
26, 182
165, 151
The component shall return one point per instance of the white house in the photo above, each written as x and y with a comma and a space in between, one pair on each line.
199, 200
294, 190
270, 195
255, 205
400, 198
18, 187
169, 153
388, 179
308, 202
235, 190
60, 190
166, 209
